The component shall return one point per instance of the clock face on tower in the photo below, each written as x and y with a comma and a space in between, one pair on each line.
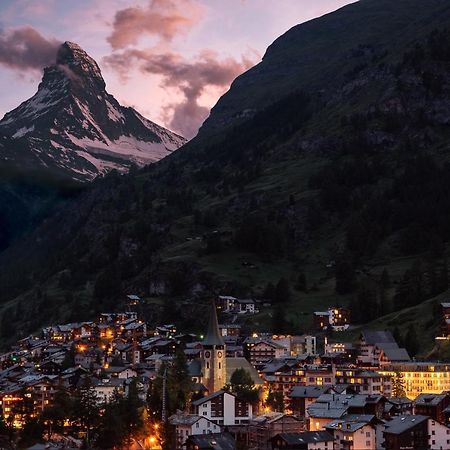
207, 354
219, 354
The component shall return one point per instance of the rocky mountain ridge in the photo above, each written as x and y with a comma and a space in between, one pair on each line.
72, 127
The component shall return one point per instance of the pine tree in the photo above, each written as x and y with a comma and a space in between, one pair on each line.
85, 408
398, 385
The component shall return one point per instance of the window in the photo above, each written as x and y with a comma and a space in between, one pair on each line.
204, 405
367, 433
197, 425
220, 365
205, 413
368, 444
433, 432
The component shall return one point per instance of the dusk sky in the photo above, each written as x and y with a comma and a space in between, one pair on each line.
170, 59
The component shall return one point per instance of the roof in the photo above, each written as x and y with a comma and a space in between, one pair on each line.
430, 399
184, 419
377, 337
213, 335
307, 437
202, 400
351, 422
215, 441
400, 424
231, 364
308, 391
396, 354
271, 417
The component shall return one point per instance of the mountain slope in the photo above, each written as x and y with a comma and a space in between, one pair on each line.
330, 182
73, 128
319, 55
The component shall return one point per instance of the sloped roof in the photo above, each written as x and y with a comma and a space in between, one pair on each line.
307, 437
430, 399
241, 363
308, 391
396, 354
400, 424
214, 441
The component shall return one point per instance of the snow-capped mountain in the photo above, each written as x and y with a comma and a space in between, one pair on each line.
74, 128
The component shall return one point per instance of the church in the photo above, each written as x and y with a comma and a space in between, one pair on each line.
214, 369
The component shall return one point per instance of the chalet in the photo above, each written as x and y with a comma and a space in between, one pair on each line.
264, 427
106, 387
398, 406
379, 348
230, 329
303, 345
337, 318
223, 409
245, 306
300, 397
263, 350
330, 406
432, 405
167, 330
226, 303
359, 430
409, 432
190, 425
308, 440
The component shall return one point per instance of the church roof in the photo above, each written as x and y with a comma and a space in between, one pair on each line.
213, 336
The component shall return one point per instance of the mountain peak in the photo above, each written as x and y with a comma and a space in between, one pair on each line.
72, 56
75, 128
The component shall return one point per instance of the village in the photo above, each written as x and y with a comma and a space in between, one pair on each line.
254, 391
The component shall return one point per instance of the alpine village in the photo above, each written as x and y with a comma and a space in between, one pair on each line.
279, 281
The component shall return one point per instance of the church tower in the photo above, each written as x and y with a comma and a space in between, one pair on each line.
213, 355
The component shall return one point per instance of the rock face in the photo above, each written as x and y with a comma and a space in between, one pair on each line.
73, 128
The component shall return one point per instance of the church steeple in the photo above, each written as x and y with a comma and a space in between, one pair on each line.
213, 355
213, 336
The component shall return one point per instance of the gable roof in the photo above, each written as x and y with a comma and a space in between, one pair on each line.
209, 397
307, 437
308, 391
400, 424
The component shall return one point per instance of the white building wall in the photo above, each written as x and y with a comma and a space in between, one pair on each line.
439, 436
229, 408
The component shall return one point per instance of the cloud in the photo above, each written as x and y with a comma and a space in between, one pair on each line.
26, 49
163, 19
191, 77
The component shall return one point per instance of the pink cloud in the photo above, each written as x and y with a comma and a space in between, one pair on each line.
26, 49
161, 18
191, 77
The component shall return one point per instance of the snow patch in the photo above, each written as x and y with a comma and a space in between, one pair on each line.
23, 131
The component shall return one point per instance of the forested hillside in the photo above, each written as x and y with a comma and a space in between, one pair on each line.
329, 193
